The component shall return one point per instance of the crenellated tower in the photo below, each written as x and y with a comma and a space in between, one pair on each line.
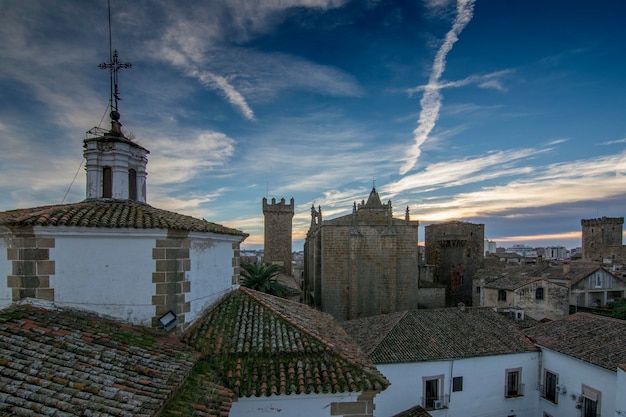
278, 228
602, 238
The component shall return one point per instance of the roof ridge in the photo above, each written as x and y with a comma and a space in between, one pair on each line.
382, 337
330, 346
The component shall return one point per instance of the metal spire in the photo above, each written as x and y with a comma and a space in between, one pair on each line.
114, 66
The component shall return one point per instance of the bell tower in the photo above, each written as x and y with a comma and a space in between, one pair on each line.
116, 166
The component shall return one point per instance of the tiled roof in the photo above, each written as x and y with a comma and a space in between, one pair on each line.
265, 345
512, 282
74, 364
591, 338
416, 411
110, 213
437, 334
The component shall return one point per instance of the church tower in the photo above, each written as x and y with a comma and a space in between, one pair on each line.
116, 166
278, 227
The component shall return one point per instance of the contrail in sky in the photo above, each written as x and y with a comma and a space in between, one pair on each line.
431, 100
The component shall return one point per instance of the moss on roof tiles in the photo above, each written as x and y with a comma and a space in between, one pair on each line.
109, 213
74, 364
264, 345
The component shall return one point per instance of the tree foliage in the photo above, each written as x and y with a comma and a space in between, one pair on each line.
263, 278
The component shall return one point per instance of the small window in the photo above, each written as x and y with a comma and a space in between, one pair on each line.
107, 183
513, 382
501, 295
549, 386
598, 280
132, 184
477, 290
457, 384
539, 294
591, 402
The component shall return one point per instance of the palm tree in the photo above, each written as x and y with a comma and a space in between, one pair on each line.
262, 277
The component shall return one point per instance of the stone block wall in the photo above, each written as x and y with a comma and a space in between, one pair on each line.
31, 265
172, 260
362, 407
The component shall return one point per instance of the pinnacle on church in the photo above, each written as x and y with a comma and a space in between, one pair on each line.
374, 199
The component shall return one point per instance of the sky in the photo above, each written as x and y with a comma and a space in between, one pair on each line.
508, 113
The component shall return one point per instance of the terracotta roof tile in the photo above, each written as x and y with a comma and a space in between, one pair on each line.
265, 345
74, 364
110, 214
512, 282
416, 411
437, 334
591, 338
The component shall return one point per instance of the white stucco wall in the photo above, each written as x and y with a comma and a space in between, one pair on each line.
108, 271
211, 271
620, 397
572, 374
304, 405
6, 269
483, 386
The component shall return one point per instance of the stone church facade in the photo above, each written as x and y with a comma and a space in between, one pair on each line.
362, 264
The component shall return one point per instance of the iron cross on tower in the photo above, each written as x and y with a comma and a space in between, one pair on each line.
114, 66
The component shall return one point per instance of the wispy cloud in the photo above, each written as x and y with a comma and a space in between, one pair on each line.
431, 100
614, 142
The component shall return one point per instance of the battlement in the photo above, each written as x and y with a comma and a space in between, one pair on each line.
602, 221
280, 207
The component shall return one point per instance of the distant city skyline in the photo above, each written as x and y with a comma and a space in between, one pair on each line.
505, 113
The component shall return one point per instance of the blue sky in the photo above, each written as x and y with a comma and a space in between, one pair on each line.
507, 113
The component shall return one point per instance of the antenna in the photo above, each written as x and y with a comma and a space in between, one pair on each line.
114, 66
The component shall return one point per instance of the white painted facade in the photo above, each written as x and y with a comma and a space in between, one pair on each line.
483, 392
211, 271
620, 388
573, 374
110, 271
303, 405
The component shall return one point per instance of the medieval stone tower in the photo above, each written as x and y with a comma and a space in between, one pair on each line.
277, 244
456, 251
602, 239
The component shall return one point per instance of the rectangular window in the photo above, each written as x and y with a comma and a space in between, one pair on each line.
591, 402
513, 382
457, 384
501, 295
598, 280
107, 182
132, 184
432, 389
549, 387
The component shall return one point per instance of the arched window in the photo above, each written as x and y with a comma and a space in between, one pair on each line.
132, 184
539, 294
501, 295
107, 183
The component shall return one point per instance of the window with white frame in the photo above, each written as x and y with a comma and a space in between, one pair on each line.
550, 381
513, 387
591, 402
432, 391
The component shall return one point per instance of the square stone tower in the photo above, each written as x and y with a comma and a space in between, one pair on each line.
277, 245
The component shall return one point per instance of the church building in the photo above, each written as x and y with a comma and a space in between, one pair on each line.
114, 254
362, 264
